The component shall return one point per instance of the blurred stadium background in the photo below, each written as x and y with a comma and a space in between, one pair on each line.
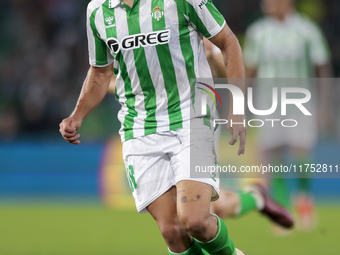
61, 199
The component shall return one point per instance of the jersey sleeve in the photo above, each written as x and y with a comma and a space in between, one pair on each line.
204, 17
99, 54
319, 50
251, 47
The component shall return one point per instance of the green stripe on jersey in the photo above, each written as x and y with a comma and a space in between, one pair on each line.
215, 13
116, 71
130, 102
168, 71
186, 49
150, 124
308, 60
101, 51
206, 118
111, 32
130, 97
195, 19
187, 52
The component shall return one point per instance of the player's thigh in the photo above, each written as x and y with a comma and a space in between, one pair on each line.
195, 190
148, 169
193, 200
163, 209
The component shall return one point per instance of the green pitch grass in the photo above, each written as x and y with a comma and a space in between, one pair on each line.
86, 230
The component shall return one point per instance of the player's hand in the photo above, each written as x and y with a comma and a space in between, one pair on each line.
68, 129
238, 130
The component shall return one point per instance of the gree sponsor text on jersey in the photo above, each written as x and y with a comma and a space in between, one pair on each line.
139, 40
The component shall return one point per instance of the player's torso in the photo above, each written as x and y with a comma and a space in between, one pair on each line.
154, 47
284, 49
157, 56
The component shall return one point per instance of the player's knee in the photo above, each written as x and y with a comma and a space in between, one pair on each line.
171, 233
195, 226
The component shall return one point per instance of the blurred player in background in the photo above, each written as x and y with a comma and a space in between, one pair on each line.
286, 44
254, 197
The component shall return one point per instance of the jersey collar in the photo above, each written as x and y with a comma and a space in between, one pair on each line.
113, 3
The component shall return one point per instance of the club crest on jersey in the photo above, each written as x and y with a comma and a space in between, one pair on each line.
157, 13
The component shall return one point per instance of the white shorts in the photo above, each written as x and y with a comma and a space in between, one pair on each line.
156, 162
275, 132
304, 135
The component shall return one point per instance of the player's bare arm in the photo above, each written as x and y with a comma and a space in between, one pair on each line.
251, 72
233, 59
112, 86
215, 60
93, 91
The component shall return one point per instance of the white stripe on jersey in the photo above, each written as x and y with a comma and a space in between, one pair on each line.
129, 59
153, 63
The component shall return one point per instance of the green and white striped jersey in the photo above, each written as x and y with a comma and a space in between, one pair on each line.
288, 49
158, 53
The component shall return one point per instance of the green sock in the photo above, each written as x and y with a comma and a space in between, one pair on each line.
221, 243
247, 203
205, 252
193, 250
280, 192
279, 186
304, 185
304, 182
